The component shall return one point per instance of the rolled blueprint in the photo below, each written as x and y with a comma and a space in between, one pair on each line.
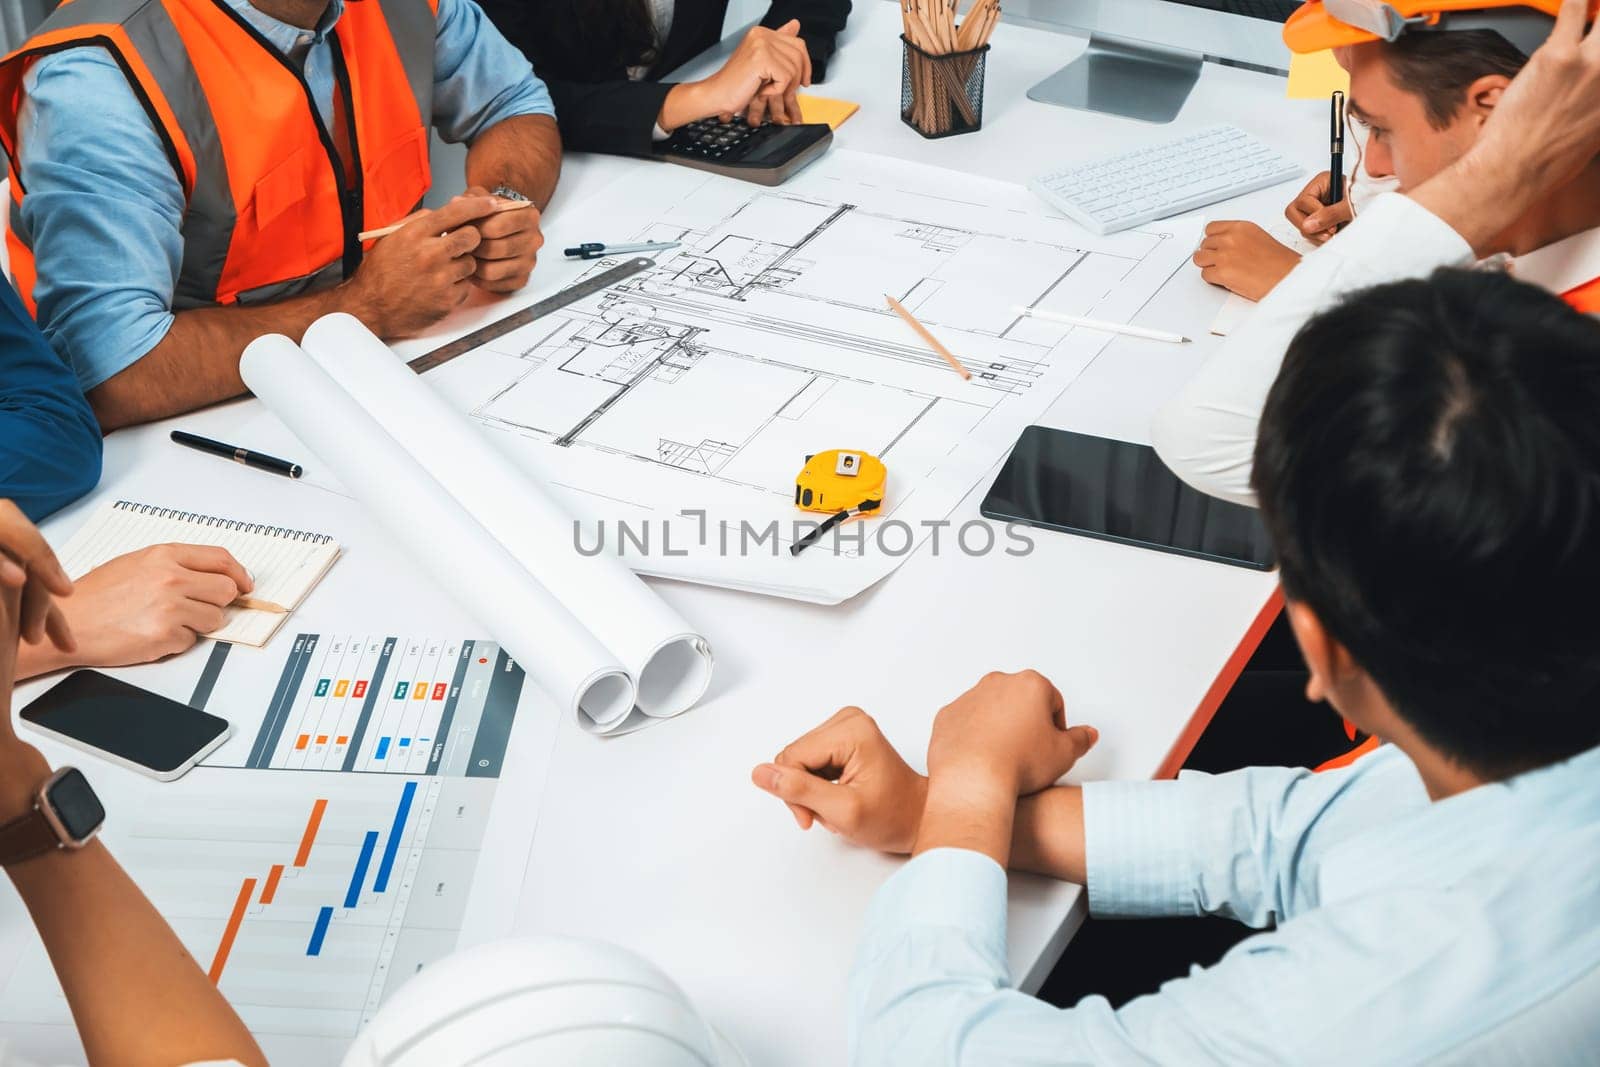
586, 629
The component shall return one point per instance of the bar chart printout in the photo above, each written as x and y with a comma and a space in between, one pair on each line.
310, 894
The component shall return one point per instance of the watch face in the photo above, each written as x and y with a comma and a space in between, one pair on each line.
75, 804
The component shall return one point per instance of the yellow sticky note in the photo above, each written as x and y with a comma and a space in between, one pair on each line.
1316, 75
823, 109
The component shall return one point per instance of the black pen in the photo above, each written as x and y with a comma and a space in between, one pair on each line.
1336, 165
258, 460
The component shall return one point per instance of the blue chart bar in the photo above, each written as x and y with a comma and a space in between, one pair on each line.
405, 742
353, 895
383, 748
392, 846
318, 932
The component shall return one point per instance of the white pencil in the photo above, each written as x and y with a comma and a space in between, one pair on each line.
1108, 327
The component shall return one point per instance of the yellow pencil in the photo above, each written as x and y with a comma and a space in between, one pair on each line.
933, 342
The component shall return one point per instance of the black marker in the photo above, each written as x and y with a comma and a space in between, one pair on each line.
257, 460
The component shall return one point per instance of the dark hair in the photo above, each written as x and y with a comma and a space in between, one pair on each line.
579, 40
1428, 465
1440, 66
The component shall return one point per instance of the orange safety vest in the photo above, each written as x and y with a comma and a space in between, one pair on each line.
270, 210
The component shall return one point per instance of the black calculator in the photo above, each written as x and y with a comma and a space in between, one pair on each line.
767, 154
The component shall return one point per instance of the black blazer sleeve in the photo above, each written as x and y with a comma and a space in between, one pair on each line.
821, 22
615, 116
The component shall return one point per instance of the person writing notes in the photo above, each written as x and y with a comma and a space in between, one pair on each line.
604, 61
1429, 470
189, 175
137, 996
1499, 180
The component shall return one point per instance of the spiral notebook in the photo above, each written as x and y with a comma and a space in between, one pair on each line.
286, 564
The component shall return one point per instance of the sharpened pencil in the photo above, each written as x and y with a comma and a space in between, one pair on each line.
933, 342
384, 231
252, 604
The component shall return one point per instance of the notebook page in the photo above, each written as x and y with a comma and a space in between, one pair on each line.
286, 564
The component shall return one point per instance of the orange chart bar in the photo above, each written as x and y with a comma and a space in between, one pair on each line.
302, 741
231, 931
270, 890
311, 832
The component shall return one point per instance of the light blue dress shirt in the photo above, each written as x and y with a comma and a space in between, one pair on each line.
1465, 931
104, 204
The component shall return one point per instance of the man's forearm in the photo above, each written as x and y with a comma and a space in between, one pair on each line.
523, 152
197, 362
973, 811
1047, 834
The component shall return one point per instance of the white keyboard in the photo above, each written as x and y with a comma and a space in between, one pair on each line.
1165, 179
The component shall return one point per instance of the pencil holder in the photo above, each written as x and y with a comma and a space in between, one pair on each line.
942, 95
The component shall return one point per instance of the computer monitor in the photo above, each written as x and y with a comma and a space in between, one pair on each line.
1144, 55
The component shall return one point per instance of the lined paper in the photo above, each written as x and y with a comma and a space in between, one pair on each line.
286, 564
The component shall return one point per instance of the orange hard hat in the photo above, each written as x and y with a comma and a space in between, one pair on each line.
1322, 24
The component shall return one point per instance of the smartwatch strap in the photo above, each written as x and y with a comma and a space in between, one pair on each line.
27, 836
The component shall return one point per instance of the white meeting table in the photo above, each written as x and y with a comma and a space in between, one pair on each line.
658, 841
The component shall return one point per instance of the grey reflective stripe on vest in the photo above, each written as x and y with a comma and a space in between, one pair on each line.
18, 227
209, 216
414, 29
326, 278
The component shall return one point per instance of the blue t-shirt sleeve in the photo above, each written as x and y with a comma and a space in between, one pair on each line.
105, 210
49, 440
479, 78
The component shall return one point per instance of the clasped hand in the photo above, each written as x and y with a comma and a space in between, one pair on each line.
1005, 737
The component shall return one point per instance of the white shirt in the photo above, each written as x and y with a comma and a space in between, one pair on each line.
1207, 432
1460, 932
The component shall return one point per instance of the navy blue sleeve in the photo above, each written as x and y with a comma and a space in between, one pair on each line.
49, 439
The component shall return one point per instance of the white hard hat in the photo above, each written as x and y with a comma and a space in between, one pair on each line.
551, 1001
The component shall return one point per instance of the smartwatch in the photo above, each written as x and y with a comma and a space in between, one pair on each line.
66, 814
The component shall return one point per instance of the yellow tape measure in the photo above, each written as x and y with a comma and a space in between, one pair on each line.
841, 482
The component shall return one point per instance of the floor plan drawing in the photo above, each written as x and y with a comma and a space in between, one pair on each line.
764, 336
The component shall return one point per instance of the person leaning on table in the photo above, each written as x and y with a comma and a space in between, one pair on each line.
1429, 469
604, 61
131, 609
137, 996
191, 174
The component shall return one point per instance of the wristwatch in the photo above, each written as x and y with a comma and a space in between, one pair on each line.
66, 813
505, 192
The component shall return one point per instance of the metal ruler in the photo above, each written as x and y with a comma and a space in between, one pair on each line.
570, 295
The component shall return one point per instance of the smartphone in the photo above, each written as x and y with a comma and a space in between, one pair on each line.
131, 727
1118, 491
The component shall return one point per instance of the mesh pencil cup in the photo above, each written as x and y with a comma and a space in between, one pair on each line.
942, 95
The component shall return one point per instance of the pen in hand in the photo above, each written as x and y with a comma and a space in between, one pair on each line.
1336, 150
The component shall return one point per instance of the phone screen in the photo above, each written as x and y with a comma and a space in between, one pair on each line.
123, 720
1121, 492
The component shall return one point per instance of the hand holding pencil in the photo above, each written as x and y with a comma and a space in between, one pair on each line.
422, 271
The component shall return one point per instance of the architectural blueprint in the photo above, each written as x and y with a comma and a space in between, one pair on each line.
702, 383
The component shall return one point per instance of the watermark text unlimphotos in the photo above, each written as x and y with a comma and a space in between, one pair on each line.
888, 537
